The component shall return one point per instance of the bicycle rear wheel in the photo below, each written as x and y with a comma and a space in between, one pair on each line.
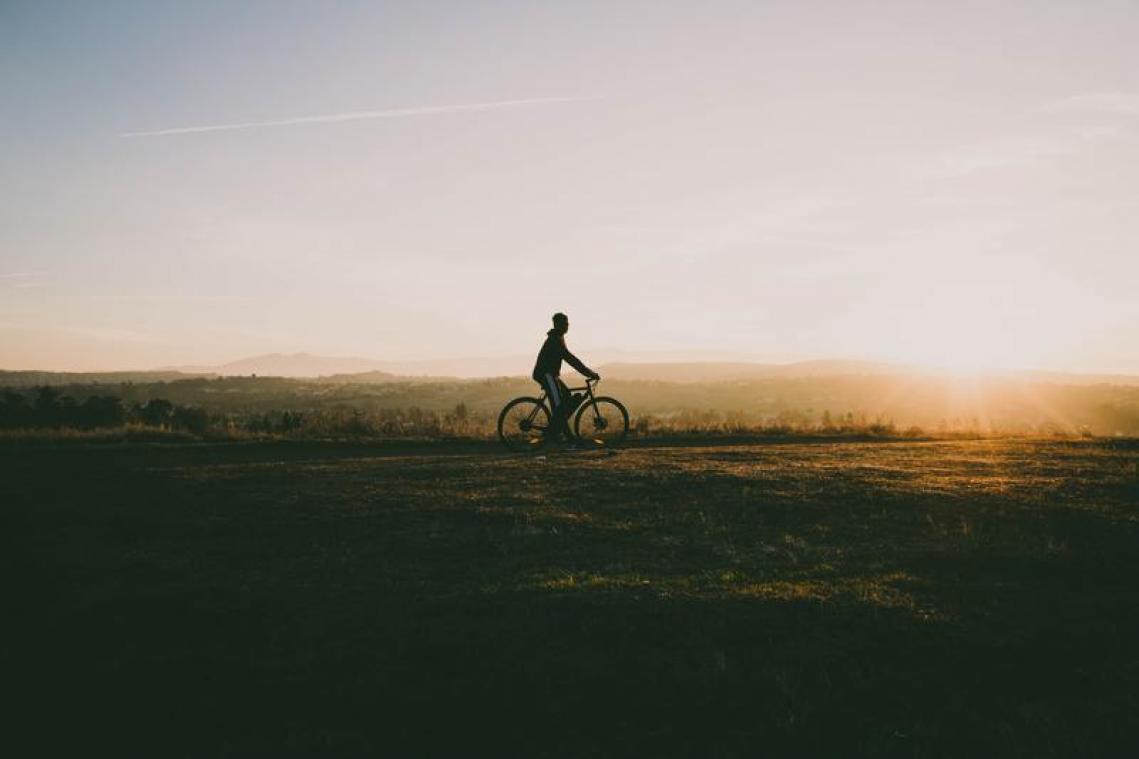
602, 421
523, 423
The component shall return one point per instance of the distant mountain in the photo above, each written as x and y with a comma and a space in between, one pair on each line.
309, 365
367, 378
371, 370
288, 365
466, 368
357, 370
630, 367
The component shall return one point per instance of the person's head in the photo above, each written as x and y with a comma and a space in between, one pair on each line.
561, 322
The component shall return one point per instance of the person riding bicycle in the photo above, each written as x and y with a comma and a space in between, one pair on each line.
548, 368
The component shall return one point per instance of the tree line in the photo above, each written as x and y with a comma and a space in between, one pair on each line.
46, 407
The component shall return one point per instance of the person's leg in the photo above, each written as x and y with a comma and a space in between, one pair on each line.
566, 409
556, 393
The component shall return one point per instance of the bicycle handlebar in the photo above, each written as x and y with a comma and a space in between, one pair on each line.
588, 382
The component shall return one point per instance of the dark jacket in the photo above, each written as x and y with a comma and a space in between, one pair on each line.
553, 352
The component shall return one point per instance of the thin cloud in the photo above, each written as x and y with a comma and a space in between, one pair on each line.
1025, 151
391, 113
110, 334
1022, 151
24, 274
1102, 102
166, 298
24, 280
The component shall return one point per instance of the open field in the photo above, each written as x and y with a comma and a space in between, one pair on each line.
822, 598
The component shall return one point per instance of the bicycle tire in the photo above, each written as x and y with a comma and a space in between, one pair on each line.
613, 426
510, 430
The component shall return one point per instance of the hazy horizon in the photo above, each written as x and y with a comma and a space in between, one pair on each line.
721, 365
937, 185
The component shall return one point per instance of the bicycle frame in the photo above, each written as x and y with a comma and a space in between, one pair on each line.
588, 388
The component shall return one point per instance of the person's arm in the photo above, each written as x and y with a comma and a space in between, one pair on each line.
576, 363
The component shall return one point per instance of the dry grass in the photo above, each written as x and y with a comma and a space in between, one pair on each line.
826, 598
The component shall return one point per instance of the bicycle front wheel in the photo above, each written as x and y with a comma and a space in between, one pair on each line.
603, 421
522, 425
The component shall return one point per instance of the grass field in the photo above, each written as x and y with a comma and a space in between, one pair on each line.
823, 598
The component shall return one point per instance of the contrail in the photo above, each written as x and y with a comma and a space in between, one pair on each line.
358, 115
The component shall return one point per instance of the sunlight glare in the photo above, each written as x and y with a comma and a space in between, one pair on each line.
964, 340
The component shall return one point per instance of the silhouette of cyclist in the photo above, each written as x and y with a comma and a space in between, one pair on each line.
547, 369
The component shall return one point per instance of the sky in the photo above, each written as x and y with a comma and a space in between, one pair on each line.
942, 183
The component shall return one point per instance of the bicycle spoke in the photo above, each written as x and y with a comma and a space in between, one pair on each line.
604, 421
523, 423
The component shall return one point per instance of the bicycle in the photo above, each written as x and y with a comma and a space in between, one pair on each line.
524, 422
